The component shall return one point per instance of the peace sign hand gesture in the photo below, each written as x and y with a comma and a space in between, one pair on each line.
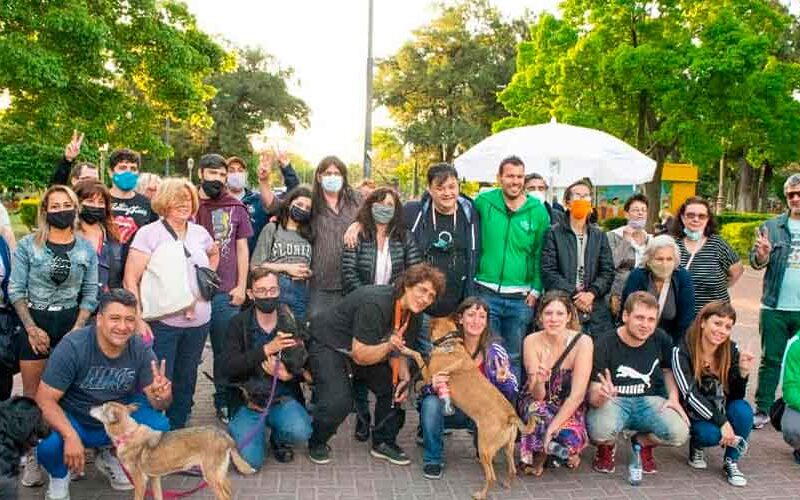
502, 371
73, 149
161, 388
607, 388
746, 360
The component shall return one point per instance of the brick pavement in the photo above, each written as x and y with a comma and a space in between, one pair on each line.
354, 474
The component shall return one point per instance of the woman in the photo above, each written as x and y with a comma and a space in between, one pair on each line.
53, 287
710, 260
662, 276
284, 247
711, 373
627, 247
492, 360
97, 227
385, 247
147, 184
178, 338
558, 361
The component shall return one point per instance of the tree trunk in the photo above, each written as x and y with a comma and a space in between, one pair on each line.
744, 191
764, 186
653, 188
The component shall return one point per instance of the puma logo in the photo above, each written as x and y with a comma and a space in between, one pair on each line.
628, 372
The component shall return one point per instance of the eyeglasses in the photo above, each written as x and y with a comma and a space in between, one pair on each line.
272, 291
695, 215
790, 195
581, 197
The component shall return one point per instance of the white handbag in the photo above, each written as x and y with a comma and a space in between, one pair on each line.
165, 289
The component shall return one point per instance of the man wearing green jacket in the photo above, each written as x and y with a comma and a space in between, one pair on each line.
790, 376
508, 278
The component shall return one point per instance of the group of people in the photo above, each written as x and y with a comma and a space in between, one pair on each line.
588, 334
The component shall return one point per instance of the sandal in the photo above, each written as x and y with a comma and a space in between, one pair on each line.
574, 461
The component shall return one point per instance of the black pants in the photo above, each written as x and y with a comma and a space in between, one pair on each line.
333, 394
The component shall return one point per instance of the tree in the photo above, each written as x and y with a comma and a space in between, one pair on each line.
441, 87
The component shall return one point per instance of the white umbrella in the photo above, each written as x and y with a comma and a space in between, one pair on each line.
561, 153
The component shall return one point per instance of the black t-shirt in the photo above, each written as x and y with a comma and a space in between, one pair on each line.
131, 214
636, 371
60, 265
366, 314
447, 252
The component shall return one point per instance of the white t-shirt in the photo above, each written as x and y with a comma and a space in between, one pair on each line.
383, 265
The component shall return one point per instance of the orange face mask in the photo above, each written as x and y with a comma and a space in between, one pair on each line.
580, 209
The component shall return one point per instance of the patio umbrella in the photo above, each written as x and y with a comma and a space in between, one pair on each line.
561, 153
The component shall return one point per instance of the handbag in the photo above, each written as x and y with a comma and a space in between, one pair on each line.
776, 413
208, 281
10, 330
165, 288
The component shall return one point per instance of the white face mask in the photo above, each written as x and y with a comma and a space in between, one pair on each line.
237, 180
332, 183
539, 195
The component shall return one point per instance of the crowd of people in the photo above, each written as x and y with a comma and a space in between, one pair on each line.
590, 335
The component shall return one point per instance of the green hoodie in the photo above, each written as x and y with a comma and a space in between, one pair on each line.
511, 243
790, 373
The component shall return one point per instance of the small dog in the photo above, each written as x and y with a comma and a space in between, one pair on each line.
294, 358
149, 454
21, 427
471, 392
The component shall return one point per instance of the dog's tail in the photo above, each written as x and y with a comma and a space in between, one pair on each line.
522, 426
240, 463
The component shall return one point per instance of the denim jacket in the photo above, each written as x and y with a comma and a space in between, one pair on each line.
30, 276
780, 238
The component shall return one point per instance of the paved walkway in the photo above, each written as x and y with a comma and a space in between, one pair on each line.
354, 474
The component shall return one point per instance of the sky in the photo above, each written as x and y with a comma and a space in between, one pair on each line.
325, 41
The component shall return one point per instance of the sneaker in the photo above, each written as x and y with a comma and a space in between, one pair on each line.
77, 476
697, 458
110, 467
604, 459
760, 419
391, 452
222, 416
419, 439
362, 431
735, 476
432, 471
648, 462
32, 472
58, 489
283, 452
320, 454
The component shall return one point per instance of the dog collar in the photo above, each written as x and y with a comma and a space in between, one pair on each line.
454, 335
123, 439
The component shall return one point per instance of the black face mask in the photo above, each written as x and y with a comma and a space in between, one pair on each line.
299, 215
212, 188
267, 305
61, 220
93, 215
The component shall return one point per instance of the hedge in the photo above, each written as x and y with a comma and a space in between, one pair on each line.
28, 212
612, 223
741, 236
733, 217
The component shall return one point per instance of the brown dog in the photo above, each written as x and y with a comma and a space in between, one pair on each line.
149, 454
471, 392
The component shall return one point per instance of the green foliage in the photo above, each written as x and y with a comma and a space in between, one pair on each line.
612, 223
741, 236
26, 165
726, 218
29, 211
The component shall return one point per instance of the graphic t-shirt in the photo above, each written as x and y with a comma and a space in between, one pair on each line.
131, 214
60, 266
227, 221
89, 378
635, 371
789, 296
448, 253
281, 246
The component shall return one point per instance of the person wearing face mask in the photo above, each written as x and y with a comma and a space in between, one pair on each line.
53, 288
662, 275
252, 346
284, 247
577, 260
536, 186
627, 246
714, 265
129, 209
227, 221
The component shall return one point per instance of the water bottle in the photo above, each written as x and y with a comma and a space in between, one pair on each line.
444, 395
557, 450
635, 467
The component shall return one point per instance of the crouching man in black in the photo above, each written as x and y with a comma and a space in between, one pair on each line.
361, 337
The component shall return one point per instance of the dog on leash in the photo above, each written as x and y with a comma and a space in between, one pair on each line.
21, 427
495, 417
148, 454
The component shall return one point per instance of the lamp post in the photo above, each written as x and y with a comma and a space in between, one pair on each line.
368, 117
190, 167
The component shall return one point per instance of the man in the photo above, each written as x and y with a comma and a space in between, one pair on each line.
577, 260
632, 369
356, 339
227, 221
509, 278
790, 386
536, 186
260, 205
68, 173
129, 209
91, 366
253, 347
777, 248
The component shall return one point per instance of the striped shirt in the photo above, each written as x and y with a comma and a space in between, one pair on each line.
709, 269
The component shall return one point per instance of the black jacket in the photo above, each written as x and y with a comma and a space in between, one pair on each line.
358, 264
681, 283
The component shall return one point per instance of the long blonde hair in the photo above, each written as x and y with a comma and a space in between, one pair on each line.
43, 228
694, 341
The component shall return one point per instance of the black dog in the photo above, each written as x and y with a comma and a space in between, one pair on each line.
21, 427
294, 358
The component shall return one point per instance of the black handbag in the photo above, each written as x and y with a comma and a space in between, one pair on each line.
208, 281
776, 413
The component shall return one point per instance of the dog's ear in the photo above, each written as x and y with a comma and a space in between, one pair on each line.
132, 408
110, 414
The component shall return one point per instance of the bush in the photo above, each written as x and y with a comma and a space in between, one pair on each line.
612, 223
734, 217
29, 211
741, 236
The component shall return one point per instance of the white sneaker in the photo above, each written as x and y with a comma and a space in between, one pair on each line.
735, 476
697, 458
110, 467
32, 472
58, 489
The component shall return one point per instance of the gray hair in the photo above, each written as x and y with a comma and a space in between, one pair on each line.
792, 181
655, 244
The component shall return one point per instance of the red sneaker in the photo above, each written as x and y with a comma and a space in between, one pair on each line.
648, 462
604, 459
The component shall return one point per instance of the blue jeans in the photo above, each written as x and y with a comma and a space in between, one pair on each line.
294, 293
182, 349
288, 421
641, 415
50, 451
509, 318
706, 433
222, 311
433, 423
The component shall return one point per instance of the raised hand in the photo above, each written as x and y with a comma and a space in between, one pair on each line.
266, 160
763, 245
607, 388
73, 149
502, 370
161, 388
283, 157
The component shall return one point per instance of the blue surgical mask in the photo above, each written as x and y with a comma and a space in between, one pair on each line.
126, 180
332, 183
692, 235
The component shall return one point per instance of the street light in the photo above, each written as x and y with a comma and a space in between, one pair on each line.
368, 117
